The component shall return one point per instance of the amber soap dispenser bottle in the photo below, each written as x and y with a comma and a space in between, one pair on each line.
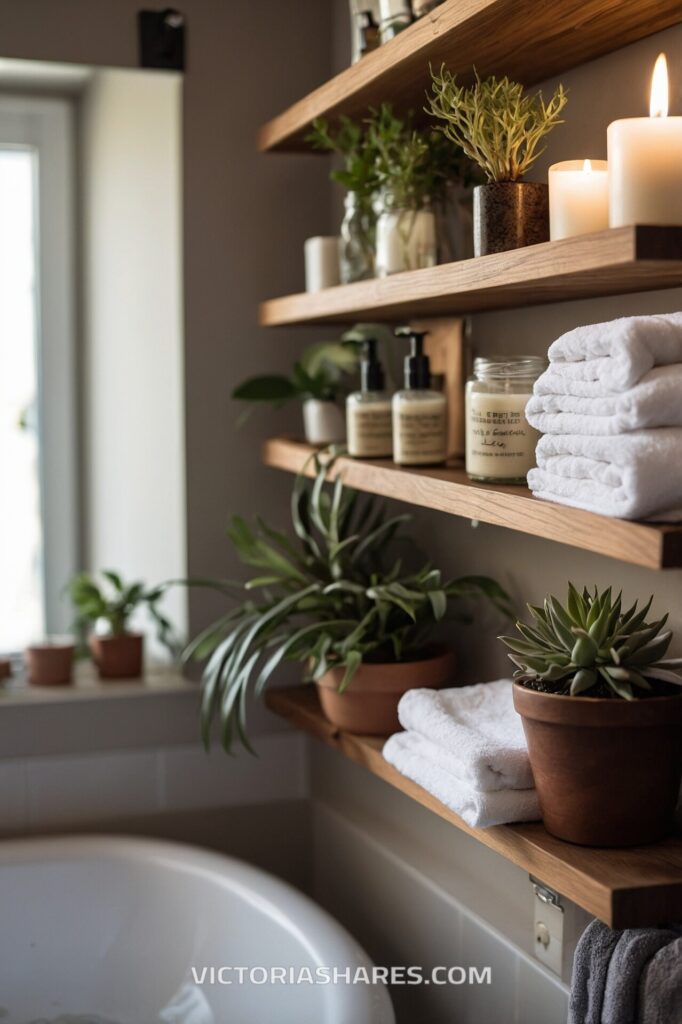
420, 413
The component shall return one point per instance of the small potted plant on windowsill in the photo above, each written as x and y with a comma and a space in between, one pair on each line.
602, 713
103, 610
337, 600
320, 381
499, 126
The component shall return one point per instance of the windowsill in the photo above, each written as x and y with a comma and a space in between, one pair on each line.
158, 680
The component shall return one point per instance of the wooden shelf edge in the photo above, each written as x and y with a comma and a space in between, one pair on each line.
447, 489
539, 41
624, 888
627, 259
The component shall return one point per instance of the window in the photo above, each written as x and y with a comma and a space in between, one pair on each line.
38, 495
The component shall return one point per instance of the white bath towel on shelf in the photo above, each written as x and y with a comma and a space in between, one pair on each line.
617, 354
630, 476
479, 728
656, 401
412, 756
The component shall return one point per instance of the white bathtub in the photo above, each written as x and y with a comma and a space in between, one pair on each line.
100, 930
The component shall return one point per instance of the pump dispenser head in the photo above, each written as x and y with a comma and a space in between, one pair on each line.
417, 365
371, 370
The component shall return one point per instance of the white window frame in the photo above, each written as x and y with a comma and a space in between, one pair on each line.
46, 126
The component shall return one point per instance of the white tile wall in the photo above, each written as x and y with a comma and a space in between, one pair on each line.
63, 790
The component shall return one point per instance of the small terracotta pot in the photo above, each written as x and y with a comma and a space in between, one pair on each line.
369, 705
607, 771
49, 664
117, 657
510, 215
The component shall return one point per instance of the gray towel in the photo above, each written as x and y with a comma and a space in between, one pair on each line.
660, 990
632, 953
590, 966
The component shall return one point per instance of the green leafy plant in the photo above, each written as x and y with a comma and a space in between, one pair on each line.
325, 371
111, 600
412, 165
351, 141
334, 594
494, 121
593, 648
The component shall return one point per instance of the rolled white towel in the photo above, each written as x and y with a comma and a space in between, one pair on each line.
617, 354
418, 759
630, 476
656, 401
478, 726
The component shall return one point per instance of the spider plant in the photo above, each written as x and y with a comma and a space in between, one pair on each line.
334, 594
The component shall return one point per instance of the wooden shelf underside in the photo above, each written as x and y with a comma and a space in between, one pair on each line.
448, 489
527, 40
624, 888
628, 259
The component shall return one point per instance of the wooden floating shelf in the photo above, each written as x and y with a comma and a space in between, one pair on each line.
628, 259
448, 489
630, 888
538, 41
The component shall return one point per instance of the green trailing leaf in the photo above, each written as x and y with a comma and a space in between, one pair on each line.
332, 595
590, 647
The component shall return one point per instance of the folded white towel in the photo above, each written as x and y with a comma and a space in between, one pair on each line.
630, 476
418, 759
479, 728
618, 354
656, 401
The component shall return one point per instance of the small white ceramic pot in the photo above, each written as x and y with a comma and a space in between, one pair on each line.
323, 422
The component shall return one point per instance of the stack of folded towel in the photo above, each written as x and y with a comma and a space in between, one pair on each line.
466, 746
610, 409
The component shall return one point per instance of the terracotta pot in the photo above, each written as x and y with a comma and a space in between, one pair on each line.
607, 771
117, 657
49, 664
370, 704
510, 215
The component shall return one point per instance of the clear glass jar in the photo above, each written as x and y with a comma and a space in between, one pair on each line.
405, 237
500, 443
356, 248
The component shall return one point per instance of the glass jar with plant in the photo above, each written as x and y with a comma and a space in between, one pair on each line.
321, 380
602, 713
500, 127
350, 141
103, 609
413, 171
337, 599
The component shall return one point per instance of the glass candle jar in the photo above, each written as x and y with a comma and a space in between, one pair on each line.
500, 443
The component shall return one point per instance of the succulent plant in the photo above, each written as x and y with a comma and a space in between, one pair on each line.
592, 647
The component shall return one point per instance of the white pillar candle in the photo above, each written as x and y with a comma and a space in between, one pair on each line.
321, 262
645, 162
578, 198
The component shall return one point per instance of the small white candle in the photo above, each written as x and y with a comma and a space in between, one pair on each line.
645, 162
578, 198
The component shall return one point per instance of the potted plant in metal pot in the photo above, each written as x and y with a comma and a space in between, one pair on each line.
602, 713
337, 599
500, 127
103, 611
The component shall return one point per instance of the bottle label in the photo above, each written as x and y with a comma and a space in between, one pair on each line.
421, 436
369, 432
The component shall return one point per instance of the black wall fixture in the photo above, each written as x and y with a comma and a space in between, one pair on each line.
162, 39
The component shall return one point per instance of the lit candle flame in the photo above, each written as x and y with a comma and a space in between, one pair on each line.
587, 167
658, 106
